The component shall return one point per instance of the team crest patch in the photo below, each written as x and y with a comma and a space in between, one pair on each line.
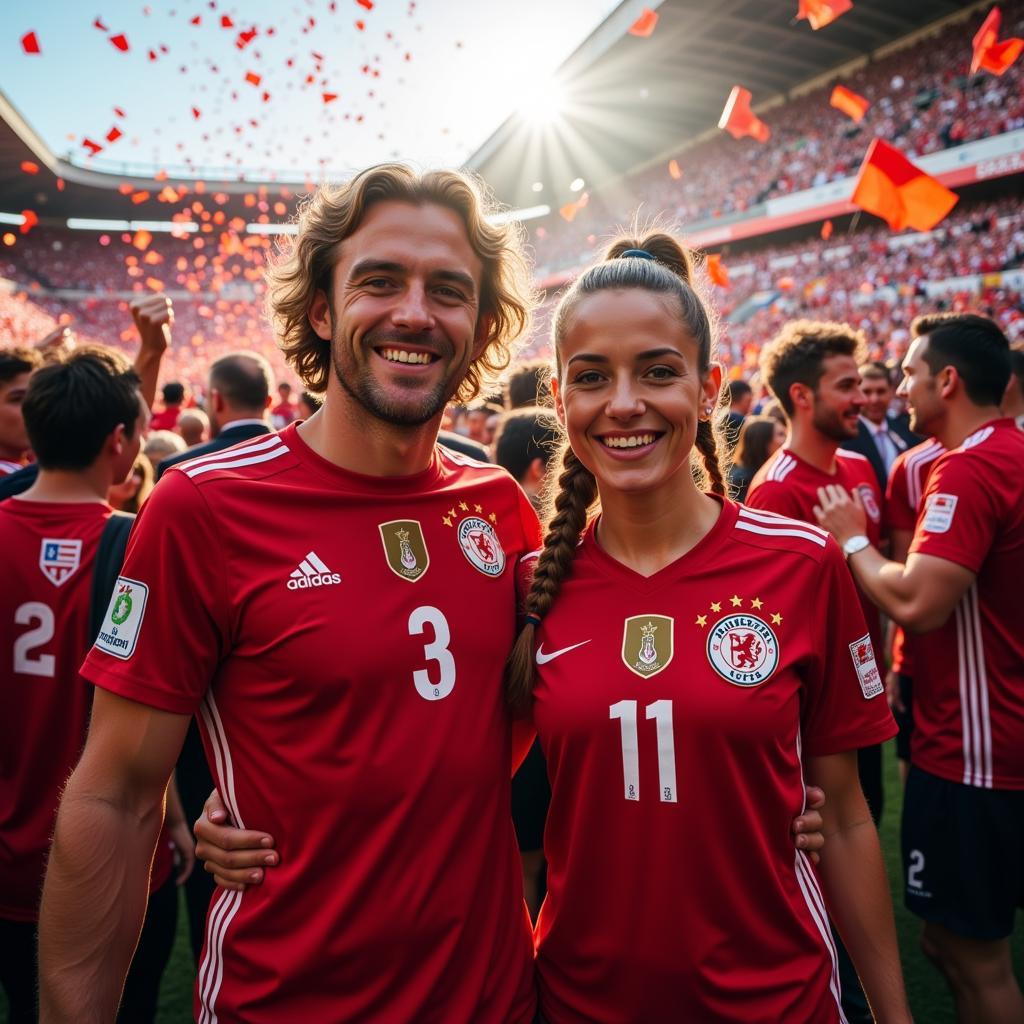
647, 644
480, 544
867, 499
120, 630
404, 548
59, 559
938, 517
870, 678
743, 649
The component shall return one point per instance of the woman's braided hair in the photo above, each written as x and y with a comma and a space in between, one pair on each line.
574, 498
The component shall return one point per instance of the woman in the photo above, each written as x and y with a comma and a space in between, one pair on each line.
759, 437
670, 666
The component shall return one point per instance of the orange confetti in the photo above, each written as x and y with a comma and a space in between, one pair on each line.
644, 25
29, 222
826, 230
718, 274
152, 258
141, 239
252, 78
674, 169
29, 167
155, 284
139, 197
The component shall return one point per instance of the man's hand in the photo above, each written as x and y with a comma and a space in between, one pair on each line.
807, 828
840, 513
154, 317
60, 339
235, 857
184, 850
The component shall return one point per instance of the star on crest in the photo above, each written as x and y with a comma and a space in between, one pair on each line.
493, 518
702, 620
776, 619
736, 601
452, 513
716, 606
463, 506
478, 509
756, 603
446, 520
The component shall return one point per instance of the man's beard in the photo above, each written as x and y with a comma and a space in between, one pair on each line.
832, 425
360, 384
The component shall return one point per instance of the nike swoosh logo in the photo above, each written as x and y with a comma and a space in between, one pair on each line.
543, 659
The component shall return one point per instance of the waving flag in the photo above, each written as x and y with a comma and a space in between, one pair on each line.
821, 12
991, 54
739, 120
850, 103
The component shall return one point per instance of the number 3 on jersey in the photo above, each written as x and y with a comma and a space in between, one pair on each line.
436, 650
661, 712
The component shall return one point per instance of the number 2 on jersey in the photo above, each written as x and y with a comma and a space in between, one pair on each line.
661, 712
436, 650
24, 663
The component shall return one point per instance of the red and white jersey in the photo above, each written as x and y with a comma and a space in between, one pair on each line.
342, 640
788, 485
969, 705
905, 489
659, 700
7, 467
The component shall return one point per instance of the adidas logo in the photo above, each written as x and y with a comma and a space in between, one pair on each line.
312, 573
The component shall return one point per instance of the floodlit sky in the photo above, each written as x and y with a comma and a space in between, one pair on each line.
426, 81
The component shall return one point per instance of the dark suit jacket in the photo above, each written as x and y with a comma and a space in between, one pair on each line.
225, 439
864, 443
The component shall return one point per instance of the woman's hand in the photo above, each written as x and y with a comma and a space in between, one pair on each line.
807, 826
235, 857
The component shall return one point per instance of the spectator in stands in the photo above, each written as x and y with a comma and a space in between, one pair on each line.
307, 404
880, 436
134, 489
1013, 400
527, 385
194, 427
284, 412
16, 368
760, 437
524, 444
161, 443
174, 397
85, 417
481, 421
741, 398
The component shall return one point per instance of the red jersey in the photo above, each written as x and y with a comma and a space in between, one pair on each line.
282, 414
788, 485
342, 640
656, 698
49, 549
907, 480
969, 702
165, 419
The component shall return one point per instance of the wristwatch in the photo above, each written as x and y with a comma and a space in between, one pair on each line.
855, 544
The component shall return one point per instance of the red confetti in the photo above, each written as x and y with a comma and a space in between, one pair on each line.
30, 221
29, 43
114, 134
140, 197
252, 78
120, 41
329, 97
266, 97
644, 25
826, 230
99, 24
196, 113
245, 38
197, 20
119, 111
366, 4
226, 22
93, 147
361, 25
318, 57
29, 168
152, 54
60, 184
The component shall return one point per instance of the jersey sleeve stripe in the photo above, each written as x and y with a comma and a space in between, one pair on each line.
775, 519
782, 465
227, 453
774, 531
236, 463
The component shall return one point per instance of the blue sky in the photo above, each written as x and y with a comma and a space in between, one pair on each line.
426, 81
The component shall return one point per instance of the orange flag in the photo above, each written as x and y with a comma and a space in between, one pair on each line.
989, 53
826, 230
570, 210
850, 103
891, 187
718, 274
738, 119
821, 12
644, 25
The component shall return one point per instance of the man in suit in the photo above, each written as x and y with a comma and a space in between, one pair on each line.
880, 436
239, 396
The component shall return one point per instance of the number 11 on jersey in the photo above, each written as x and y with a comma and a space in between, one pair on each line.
661, 711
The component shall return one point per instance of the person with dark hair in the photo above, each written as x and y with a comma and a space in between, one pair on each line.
285, 411
84, 417
741, 398
524, 444
173, 394
760, 437
131, 493
963, 817
528, 385
1013, 398
16, 368
307, 405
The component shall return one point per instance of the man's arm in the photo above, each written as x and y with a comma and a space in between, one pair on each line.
920, 595
97, 881
857, 891
154, 317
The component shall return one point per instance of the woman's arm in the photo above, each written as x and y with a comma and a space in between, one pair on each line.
856, 887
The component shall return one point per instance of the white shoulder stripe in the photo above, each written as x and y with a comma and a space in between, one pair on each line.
531, 554
784, 460
774, 518
775, 531
229, 453
235, 463
845, 453
460, 458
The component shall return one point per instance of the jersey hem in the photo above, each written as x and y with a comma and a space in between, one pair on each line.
942, 771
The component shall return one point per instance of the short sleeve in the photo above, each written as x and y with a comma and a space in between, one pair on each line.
958, 518
168, 620
774, 497
844, 707
899, 514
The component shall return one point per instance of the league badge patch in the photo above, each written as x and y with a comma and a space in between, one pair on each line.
870, 678
647, 644
404, 548
120, 630
59, 559
743, 649
938, 517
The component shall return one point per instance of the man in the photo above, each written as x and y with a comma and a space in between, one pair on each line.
238, 397
525, 444
285, 411
963, 822
741, 398
194, 427
322, 680
84, 417
16, 368
174, 397
529, 385
880, 437
811, 368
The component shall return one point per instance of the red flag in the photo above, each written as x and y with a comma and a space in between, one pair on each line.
29, 167
822, 12
644, 25
120, 41
30, 43
826, 230
891, 187
738, 119
850, 103
718, 274
989, 53
674, 170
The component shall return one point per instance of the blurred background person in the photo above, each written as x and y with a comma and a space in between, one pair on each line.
1013, 399
528, 384
16, 368
307, 404
134, 489
161, 443
760, 437
194, 427
741, 399
285, 411
173, 394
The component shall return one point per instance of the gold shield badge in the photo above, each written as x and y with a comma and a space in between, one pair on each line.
405, 548
647, 644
